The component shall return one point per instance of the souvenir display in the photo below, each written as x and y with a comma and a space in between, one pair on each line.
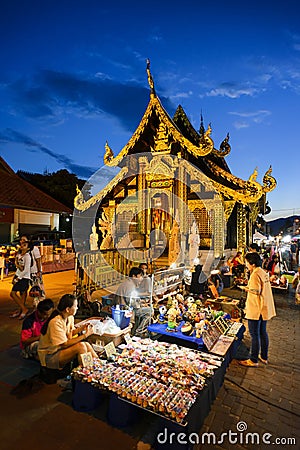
222, 345
144, 374
172, 319
187, 329
162, 314
234, 328
210, 336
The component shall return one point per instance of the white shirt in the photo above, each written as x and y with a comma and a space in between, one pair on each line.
35, 255
23, 263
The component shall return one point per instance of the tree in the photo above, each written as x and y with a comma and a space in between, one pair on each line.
60, 185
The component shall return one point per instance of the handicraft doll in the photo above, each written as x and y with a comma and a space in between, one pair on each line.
162, 314
172, 316
200, 327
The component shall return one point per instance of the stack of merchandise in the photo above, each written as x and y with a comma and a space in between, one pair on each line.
157, 376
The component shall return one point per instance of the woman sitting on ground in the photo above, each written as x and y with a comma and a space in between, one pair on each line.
58, 345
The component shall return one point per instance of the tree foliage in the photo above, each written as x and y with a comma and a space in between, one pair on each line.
60, 185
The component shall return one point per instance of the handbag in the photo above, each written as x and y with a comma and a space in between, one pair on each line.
37, 289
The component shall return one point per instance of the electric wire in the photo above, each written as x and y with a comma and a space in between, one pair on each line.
260, 398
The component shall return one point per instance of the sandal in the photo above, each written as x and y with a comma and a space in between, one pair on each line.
248, 363
264, 361
15, 315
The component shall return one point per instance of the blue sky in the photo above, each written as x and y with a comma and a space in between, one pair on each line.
73, 76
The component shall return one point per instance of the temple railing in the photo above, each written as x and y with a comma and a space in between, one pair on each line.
104, 268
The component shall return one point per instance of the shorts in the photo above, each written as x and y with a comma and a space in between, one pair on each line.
21, 285
52, 360
31, 351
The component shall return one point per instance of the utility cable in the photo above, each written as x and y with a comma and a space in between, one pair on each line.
260, 398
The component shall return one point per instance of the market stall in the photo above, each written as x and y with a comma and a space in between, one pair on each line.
175, 383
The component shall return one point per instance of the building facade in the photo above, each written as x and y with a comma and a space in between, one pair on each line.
171, 178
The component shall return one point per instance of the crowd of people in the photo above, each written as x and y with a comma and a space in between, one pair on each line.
49, 334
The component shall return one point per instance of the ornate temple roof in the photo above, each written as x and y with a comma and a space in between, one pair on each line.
159, 134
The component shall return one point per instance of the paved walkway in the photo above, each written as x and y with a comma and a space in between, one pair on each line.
265, 400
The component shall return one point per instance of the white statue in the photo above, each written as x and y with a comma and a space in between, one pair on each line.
94, 239
194, 242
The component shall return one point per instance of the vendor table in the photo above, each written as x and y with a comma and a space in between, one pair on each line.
177, 336
121, 413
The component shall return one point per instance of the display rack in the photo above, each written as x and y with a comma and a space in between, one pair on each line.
165, 280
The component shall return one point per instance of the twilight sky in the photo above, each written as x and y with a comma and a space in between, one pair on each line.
73, 75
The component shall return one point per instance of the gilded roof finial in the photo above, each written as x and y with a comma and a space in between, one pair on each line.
201, 129
150, 79
253, 176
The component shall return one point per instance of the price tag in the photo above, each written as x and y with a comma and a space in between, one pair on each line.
127, 338
110, 349
86, 359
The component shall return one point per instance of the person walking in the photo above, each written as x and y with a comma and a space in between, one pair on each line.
258, 310
21, 280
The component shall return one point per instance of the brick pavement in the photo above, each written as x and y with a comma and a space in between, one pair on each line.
267, 398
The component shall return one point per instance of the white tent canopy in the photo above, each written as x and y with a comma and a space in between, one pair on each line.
259, 237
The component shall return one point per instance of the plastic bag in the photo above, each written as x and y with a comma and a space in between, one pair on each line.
110, 327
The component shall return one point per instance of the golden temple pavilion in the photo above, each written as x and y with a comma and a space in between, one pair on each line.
171, 178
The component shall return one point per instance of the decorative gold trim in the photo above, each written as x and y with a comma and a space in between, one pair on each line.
225, 148
205, 147
82, 205
269, 182
228, 208
248, 191
241, 228
219, 226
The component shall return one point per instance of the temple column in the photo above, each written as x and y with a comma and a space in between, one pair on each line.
218, 228
142, 206
182, 207
241, 227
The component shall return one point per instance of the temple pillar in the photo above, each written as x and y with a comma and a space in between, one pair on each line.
219, 228
182, 208
142, 198
181, 192
241, 227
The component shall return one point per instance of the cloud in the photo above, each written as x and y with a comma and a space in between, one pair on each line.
253, 117
51, 95
253, 114
232, 90
181, 95
239, 125
12, 136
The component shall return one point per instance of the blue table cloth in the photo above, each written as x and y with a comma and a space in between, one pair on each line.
177, 335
